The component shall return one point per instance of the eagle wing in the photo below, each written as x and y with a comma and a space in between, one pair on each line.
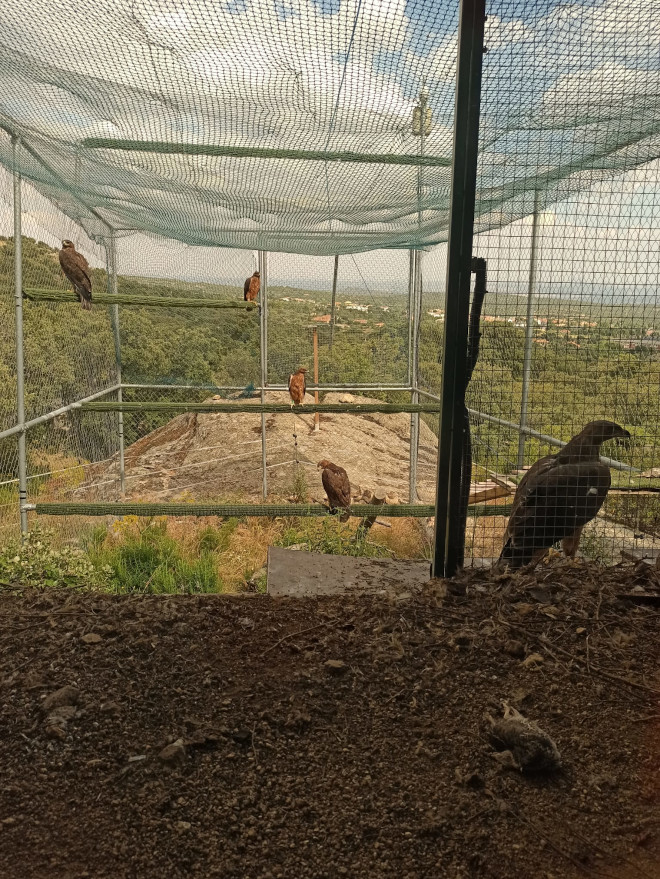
556, 501
254, 287
246, 288
337, 487
76, 268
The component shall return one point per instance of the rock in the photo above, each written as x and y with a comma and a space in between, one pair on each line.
174, 754
521, 744
64, 696
514, 648
335, 666
110, 708
183, 825
91, 638
242, 737
532, 660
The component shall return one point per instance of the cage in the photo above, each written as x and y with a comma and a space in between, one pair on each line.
179, 176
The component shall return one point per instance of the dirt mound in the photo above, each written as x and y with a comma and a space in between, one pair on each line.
250, 737
209, 456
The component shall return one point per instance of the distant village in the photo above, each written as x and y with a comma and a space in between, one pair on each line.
562, 326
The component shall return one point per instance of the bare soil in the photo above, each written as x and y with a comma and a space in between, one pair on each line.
251, 737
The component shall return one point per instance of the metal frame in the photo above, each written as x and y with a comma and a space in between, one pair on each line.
114, 318
448, 549
263, 354
20, 366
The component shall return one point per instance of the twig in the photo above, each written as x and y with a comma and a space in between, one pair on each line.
645, 719
293, 635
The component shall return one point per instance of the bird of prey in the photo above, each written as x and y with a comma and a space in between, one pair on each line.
251, 288
337, 487
76, 268
298, 386
558, 495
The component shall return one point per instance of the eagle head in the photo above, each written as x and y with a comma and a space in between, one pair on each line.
255, 274
66, 243
302, 369
323, 464
601, 431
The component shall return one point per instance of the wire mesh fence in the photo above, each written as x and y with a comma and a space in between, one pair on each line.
566, 219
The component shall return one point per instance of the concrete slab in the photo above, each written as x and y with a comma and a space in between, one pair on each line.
304, 574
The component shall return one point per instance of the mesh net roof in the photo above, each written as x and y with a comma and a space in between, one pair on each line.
288, 124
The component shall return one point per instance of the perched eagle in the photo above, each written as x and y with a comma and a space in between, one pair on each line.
76, 268
251, 288
558, 495
298, 386
337, 487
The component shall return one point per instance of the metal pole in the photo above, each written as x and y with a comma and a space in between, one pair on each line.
20, 366
411, 312
414, 417
114, 318
263, 349
448, 531
529, 333
333, 308
317, 416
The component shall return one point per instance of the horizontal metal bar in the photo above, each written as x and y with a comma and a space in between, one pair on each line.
138, 300
550, 440
256, 407
392, 511
34, 422
199, 149
322, 388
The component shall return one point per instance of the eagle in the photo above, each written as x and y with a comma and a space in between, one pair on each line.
298, 386
76, 268
558, 495
337, 487
251, 287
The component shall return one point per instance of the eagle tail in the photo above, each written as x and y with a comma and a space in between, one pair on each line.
514, 556
86, 303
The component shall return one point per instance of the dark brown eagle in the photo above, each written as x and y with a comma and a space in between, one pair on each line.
558, 495
337, 487
76, 268
298, 386
251, 287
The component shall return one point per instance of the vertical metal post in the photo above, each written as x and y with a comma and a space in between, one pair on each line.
411, 311
333, 308
263, 349
414, 371
529, 333
448, 532
114, 318
20, 365
317, 416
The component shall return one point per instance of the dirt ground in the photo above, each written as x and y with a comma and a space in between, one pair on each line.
250, 737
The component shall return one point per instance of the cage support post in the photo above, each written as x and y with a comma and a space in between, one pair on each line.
315, 336
448, 531
333, 307
414, 383
20, 365
263, 350
114, 318
529, 333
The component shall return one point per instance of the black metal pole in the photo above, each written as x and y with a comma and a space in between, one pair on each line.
448, 554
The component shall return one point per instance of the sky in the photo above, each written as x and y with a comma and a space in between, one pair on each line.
563, 82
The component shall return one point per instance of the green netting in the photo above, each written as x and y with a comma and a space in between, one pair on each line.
307, 408
394, 511
296, 125
127, 299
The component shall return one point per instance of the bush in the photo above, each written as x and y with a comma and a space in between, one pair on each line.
150, 561
37, 564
